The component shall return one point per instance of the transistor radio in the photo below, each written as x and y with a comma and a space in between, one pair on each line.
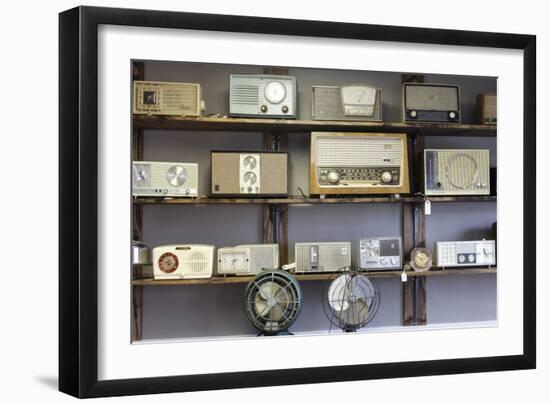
155, 178
357, 102
262, 95
456, 172
431, 103
183, 261
165, 98
249, 173
487, 108
247, 259
358, 163
380, 253
322, 257
465, 253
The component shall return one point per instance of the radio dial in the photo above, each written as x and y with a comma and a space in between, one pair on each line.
386, 177
333, 177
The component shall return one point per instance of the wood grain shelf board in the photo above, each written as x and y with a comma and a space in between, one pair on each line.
300, 126
306, 201
312, 277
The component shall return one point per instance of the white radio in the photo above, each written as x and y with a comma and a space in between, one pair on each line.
465, 253
456, 172
154, 178
183, 261
247, 259
380, 253
322, 257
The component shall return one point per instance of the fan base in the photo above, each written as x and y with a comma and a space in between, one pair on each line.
272, 334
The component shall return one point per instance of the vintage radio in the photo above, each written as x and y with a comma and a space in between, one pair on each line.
183, 261
380, 253
249, 173
357, 102
465, 253
322, 257
247, 259
431, 103
262, 95
456, 172
358, 163
155, 178
163, 98
487, 108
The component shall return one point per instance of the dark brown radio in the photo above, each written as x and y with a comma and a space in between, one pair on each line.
242, 173
424, 102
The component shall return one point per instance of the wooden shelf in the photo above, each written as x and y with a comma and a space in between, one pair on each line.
300, 126
294, 200
312, 277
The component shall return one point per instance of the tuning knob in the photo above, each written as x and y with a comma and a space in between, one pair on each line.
383, 261
284, 109
413, 114
263, 108
452, 115
333, 177
386, 177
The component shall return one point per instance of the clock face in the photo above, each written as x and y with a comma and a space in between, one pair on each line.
420, 260
168, 262
275, 92
235, 261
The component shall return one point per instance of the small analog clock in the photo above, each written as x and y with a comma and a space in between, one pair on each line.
235, 260
421, 259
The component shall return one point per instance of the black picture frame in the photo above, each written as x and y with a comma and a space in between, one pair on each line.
78, 207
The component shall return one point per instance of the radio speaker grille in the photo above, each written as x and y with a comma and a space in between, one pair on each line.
198, 263
245, 94
432, 98
358, 151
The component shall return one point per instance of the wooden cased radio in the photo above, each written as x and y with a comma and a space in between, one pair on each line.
423, 102
358, 163
240, 173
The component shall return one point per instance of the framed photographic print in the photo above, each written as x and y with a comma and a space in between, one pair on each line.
234, 186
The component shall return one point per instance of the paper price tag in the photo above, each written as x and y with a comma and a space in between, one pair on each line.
403, 276
427, 207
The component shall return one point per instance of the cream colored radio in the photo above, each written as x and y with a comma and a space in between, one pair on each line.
465, 253
183, 261
456, 172
247, 259
322, 257
166, 98
163, 179
358, 163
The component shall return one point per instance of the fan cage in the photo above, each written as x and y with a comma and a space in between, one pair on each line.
287, 295
354, 302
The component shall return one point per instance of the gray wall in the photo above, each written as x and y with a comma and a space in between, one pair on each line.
210, 311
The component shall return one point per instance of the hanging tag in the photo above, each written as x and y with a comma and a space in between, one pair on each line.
403, 276
427, 207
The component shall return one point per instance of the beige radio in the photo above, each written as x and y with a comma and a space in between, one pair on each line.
159, 178
249, 173
358, 163
183, 261
322, 257
248, 259
456, 172
357, 102
165, 98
